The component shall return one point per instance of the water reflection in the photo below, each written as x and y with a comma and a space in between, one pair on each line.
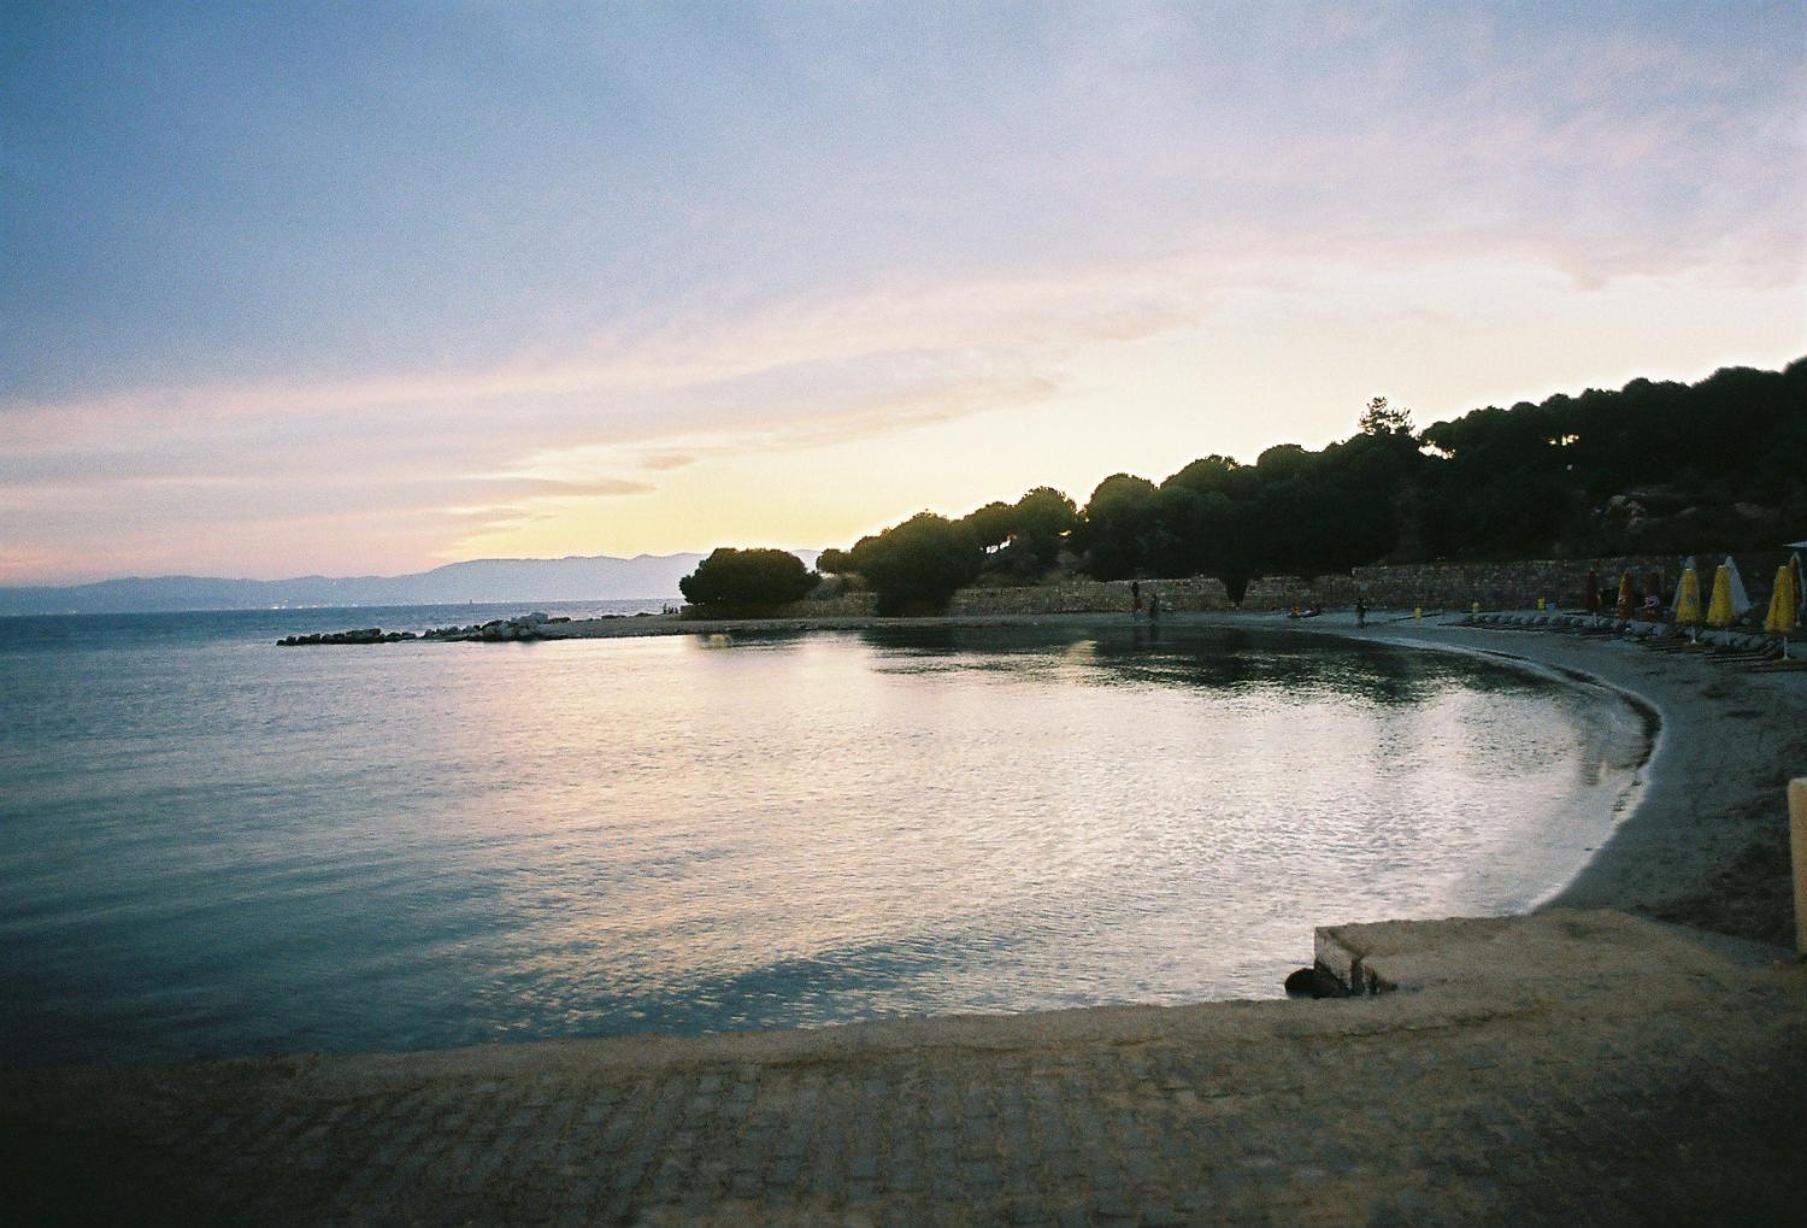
1225, 659
237, 849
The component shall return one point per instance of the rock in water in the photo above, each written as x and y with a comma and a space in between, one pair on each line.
1314, 982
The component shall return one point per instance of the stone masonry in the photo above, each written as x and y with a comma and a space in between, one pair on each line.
1560, 1069
1503, 586
1433, 586
1086, 596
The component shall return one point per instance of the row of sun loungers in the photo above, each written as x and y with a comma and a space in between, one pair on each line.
1730, 646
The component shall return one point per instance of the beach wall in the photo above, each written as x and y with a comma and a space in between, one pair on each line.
842, 605
1066, 597
1504, 586
1284, 592
1085, 596
1443, 586
1434, 586
1497, 586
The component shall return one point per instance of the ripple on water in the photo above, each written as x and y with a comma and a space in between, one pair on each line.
211, 847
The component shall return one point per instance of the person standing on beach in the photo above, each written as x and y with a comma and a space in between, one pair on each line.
1361, 612
1135, 596
1154, 607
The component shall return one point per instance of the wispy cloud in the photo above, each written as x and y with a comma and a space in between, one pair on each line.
661, 246
798, 375
503, 486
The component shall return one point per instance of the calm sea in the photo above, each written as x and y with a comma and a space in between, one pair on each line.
212, 846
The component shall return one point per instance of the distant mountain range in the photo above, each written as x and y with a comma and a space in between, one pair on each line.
577, 578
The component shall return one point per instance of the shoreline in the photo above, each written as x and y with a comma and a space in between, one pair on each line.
1707, 843
1545, 1068
1704, 845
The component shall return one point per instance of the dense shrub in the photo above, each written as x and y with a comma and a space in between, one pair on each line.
916, 566
731, 578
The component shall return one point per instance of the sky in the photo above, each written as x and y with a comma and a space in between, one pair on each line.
348, 289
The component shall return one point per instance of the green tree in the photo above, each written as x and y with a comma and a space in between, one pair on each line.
1201, 533
1713, 465
991, 525
734, 579
1120, 522
1044, 516
1206, 475
1379, 418
915, 567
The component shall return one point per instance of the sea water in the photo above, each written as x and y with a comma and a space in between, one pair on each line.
213, 846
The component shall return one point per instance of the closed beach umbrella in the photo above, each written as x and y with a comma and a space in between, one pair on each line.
1741, 600
1687, 598
1590, 597
1783, 611
1629, 597
1719, 609
1687, 566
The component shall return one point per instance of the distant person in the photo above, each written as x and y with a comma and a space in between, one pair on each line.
1361, 612
1135, 596
1154, 607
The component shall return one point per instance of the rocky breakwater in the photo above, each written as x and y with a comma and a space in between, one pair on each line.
526, 627
368, 635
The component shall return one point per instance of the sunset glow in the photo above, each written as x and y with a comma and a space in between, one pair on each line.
308, 289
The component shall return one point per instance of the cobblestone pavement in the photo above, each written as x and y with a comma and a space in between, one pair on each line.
1565, 1068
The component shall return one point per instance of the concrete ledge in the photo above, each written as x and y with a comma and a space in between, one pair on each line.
1560, 951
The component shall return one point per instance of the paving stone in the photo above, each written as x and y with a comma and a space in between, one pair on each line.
1414, 1108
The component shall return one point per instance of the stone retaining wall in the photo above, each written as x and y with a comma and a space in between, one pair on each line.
843, 605
1437, 586
1434, 586
1284, 592
846, 605
1086, 596
1503, 586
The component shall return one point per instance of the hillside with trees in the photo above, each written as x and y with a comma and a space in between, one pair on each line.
1651, 468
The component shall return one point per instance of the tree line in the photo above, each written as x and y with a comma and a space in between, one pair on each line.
1650, 468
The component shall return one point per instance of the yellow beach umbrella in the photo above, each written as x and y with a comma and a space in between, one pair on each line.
1719, 609
1687, 599
1782, 611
